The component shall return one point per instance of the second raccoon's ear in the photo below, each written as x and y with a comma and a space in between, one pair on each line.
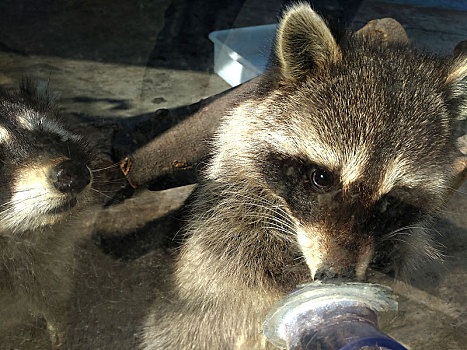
456, 82
304, 43
456, 85
457, 75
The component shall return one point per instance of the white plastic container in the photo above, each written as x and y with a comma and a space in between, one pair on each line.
240, 54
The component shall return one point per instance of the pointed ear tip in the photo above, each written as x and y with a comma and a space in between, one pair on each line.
298, 6
297, 9
460, 170
458, 70
304, 42
461, 48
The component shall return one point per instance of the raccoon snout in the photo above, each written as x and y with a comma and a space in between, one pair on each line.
70, 176
328, 272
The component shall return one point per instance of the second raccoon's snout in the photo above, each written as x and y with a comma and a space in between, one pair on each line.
70, 176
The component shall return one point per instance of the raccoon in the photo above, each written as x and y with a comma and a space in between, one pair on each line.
46, 178
339, 158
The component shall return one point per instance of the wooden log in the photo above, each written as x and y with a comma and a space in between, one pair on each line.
171, 158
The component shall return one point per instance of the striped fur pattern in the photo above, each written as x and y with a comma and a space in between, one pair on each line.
338, 160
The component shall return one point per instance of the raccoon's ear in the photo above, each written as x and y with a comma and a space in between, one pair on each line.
456, 81
304, 43
457, 74
456, 85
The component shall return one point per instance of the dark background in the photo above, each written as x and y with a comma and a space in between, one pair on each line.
122, 31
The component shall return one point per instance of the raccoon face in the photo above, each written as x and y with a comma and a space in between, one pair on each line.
44, 169
357, 141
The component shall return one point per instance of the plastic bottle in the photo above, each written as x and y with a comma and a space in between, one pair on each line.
332, 316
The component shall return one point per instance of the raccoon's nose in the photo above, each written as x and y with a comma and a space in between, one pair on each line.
70, 176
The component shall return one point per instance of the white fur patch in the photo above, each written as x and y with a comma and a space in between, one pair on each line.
401, 173
57, 129
316, 247
353, 168
5, 135
27, 120
312, 249
321, 153
363, 262
394, 172
31, 120
242, 132
33, 196
458, 71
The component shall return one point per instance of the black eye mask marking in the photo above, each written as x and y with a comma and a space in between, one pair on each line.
289, 172
298, 181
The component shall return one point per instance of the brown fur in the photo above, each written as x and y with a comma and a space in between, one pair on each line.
377, 123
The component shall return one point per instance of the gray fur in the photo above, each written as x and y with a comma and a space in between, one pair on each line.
381, 119
36, 234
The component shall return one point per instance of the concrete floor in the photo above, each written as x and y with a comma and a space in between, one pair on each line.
122, 59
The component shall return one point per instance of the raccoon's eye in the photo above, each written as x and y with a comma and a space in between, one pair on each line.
321, 178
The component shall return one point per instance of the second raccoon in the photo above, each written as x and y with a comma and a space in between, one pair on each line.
46, 179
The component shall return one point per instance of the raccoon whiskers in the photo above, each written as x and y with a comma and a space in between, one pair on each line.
423, 245
109, 191
264, 203
286, 235
420, 257
102, 193
106, 183
404, 234
400, 232
96, 180
416, 248
270, 218
21, 211
273, 218
273, 213
270, 222
105, 168
17, 201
